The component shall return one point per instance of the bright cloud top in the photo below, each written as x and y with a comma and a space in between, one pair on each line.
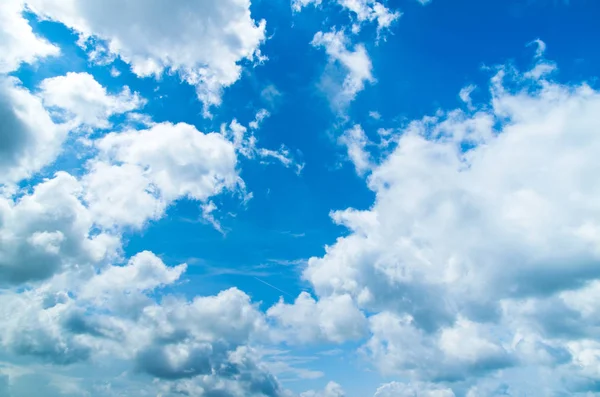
459, 242
202, 41
361, 10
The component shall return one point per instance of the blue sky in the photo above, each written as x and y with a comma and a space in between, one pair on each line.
312, 198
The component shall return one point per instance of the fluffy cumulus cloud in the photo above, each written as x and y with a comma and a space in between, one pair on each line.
157, 166
47, 232
351, 62
372, 11
397, 345
35, 125
81, 101
68, 296
203, 41
333, 319
18, 43
332, 389
29, 139
482, 236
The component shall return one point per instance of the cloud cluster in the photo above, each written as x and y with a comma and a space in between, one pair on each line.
474, 271
480, 251
332, 389
362, 11
81, 101
35, 125
194, 346
155, 167
48, 231
18, 43
68, 297
205, 41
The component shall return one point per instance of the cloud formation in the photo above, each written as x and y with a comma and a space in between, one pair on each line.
472, 272
362, 11
155, 167
80, 101
18, 43
355, 64
29, 139
204, 42
483, 230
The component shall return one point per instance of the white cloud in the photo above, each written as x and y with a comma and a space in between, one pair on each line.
121, 195
472, 343
246, 143
29, 140
261, 115
282, 155
67, 296
271, 96
398, 346
207, 215
479, 252
18, 43
396, 389
375, 115
155, 167
80, 306
356, 142
437, 166
82, 101
195, 345
203, 41
90, 309
465, 95
285, 364
481, 224
144, 272
332, 389
362, 10
298, 5
355, 62
48, 231
137, 174
371, 10
334, 319
541, 47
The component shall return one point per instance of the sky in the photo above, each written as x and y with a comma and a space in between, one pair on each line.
299, 198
